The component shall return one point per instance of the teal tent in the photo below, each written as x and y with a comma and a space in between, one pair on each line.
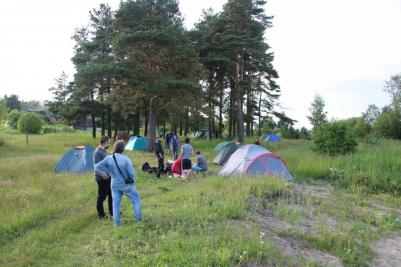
226, 151
219, 146
137, 143
77, 160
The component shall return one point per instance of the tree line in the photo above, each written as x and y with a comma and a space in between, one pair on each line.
139, 66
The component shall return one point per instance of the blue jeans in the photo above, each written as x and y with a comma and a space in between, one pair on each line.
120, 189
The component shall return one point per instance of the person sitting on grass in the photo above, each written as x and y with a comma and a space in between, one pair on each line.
201, 163
176, 168
186, 153
120, 169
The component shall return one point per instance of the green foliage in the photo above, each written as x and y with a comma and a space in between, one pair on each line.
57, 129
2, 142
12, 102
13, 118
388, 124
3, 112
318, 115
335, 138
362, 129
30, 123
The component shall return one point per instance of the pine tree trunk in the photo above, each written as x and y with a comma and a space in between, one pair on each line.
109, 129
181, 128
239, 102
260, 115
93, 125
186, 131
137, 121
146, 115
103, 124
221, 116
27, 139
152, 125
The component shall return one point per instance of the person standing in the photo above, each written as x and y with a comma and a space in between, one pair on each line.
186, 153
159, 155
167, 144
103, 182
175, 145
120, 168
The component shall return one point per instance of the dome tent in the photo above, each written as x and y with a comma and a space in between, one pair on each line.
271, 138
137, 143
254, 160
220, 146
77, 160
225, 153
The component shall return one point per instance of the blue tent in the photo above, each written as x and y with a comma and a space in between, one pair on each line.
137, 143
271, 138
77, 160
255, 160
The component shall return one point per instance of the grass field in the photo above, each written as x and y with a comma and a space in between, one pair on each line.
327, 217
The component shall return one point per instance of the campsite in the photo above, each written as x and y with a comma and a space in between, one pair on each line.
314, 220
200, 133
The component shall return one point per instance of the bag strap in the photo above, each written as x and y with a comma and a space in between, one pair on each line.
118, 167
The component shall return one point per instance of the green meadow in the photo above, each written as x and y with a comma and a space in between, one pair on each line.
332, 214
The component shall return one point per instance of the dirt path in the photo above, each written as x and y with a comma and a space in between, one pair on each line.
388, 252
292, 247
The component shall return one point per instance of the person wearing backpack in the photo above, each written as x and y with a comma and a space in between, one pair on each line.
159, 156
119, 167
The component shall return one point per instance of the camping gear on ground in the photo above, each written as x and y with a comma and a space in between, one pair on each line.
147, 168
127, 180
225, 153
271, 138
255, 160
219, 146
77, 160
137, 143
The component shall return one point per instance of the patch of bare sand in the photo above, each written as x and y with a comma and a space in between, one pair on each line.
388, 251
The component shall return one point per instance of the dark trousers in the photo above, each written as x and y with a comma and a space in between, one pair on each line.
160, 162
103, 192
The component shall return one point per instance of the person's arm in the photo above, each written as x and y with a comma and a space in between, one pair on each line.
130, 169
102, 169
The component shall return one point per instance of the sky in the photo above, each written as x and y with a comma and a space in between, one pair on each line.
343, 50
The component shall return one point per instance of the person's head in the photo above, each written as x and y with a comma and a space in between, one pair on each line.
198, 152
187, 140
104, 142
257, 139
119, 146
160, 137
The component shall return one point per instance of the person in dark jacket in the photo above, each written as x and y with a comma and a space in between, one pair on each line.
159, 155
103, 183
175, 145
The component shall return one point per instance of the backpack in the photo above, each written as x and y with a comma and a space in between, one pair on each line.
146, 167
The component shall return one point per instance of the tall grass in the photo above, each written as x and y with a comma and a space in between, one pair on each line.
376, 167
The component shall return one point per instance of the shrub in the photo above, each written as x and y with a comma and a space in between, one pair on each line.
1, 142
388, 124
30, 123
13, 118
335, 138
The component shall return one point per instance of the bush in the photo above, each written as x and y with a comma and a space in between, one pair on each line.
13, 118
30, 123
335, 138
2, 142
388, 124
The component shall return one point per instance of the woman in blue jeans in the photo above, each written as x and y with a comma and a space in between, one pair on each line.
119, 168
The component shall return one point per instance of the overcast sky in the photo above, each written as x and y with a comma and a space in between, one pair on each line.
341, 49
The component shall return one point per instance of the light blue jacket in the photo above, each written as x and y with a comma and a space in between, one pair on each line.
108, 167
